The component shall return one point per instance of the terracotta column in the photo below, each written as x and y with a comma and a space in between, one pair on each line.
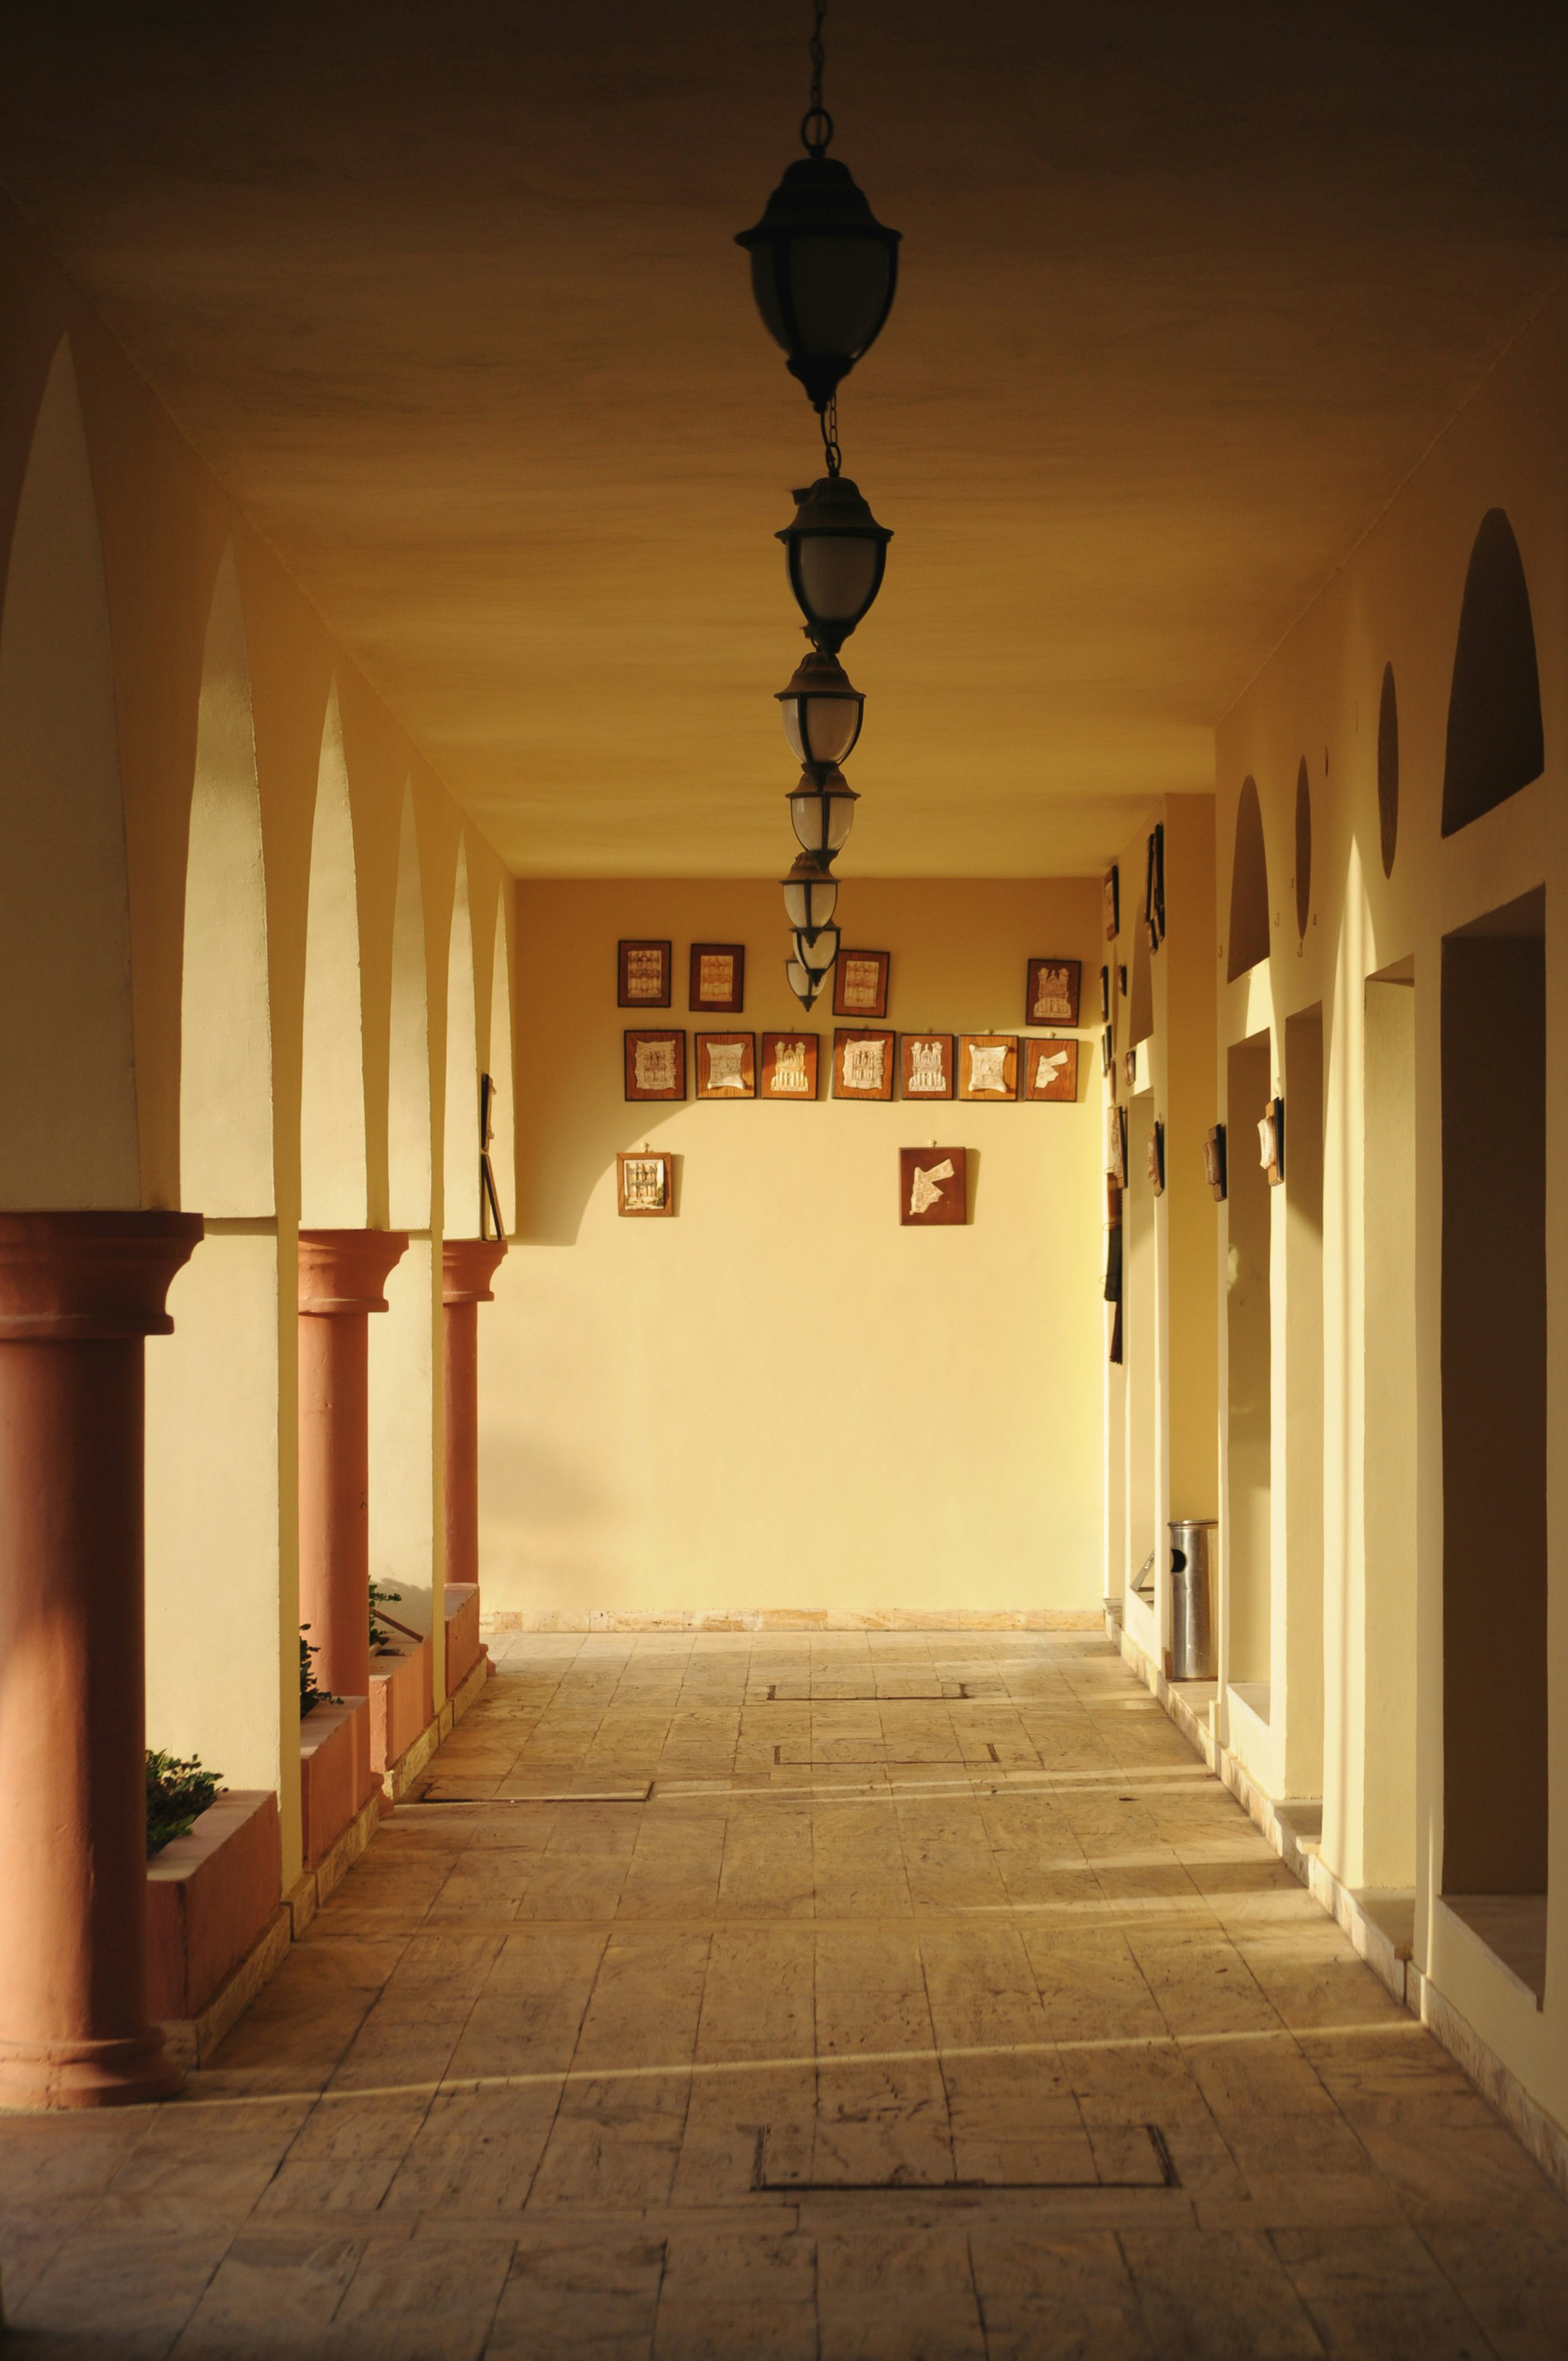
342, 1273
467, 1267
77, 1292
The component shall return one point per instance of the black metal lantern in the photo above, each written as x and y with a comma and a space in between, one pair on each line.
823, 267
810, 891
822, 712
837, 553
816, 949
803, 982
822, 813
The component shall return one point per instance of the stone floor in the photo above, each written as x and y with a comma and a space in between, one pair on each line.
911, 1995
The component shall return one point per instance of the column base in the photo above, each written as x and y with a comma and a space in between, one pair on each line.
129, 2072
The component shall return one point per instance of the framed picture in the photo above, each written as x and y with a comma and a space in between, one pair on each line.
1111, 895
1156, 1158
1052, 994
1116, 1145
644, 1183
933, 1186
1050, 1069
1271, 1142
988, 1066
789, 1066
1108, 1055
1214, 1162
656, 1065
926, 1065
1130, 1071
859, 983
717, 979
1122, 981
643, 975
1153, 889
1105, 995
726, 1065
863, 1064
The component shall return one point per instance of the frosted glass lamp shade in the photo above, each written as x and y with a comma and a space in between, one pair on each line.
822, 712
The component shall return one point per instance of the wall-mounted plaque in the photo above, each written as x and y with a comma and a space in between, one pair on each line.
656, 1065
1156, 1158
862, 1065
1153, 889
789, 1066
1050, 1069
726, 1065
717, 979
1214, 1162
1111, 895
988, 1066
926, 1065
1051, 997
1271, 1142
644, 1183
1105, 995
1116, 1145
859, 983
642, 972
933, 1186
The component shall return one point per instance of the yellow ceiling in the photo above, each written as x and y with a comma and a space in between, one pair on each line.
448, 297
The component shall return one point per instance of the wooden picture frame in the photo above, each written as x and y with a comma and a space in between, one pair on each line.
1116, 1145
1051, 994
644, 1184
1271, 1142
1108, 1056
925, 1066
1111, 902
1105, 995
1215, 1163
859, 983
789, 1067
933, 1188
724, 1065
650, 1073
863, 1063
643, 973
716, 980
1153, 887
1155, 1159
988, 1066
1051, 1070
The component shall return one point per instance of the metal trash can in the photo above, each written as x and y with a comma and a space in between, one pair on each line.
1193, 1654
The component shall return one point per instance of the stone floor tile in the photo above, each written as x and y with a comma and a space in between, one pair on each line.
1217, 2296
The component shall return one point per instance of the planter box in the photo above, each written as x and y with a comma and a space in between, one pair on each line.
210, 1898
462, 1632
402, 1705
334, 1773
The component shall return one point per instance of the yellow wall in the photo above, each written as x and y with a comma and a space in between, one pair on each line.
783, 1398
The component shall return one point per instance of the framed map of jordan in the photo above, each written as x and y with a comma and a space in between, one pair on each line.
933, 1186
726, 1065
656, 1065
642, 972
926, 1065
1050, 1069
863, 1064
988, 1066
789, 1067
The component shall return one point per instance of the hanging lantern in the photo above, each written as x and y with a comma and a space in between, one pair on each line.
817, 948
823, 267
822, 712
836, 555
822, 812
811, 893
803, 982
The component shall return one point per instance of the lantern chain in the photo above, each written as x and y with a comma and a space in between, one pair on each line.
828, 419
816, 124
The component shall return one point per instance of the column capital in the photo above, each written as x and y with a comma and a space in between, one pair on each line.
467, 1267
78, 1275
343, 1271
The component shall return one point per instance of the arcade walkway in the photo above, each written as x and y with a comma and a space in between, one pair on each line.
865, 1999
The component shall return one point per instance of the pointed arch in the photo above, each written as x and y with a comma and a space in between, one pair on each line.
503, 1143
226, 1022
1248, 940
460, 1160
409, 1091
1303, 848
1496, 744
333, 1193
68, 1095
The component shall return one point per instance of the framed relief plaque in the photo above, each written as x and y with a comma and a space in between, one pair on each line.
1215, 1163
1052, 994
933, 1186
717, 979
1156, 1164
1111, 897
789, 1066
859, 983
656, 1065
926, 1065
726, 1065
862, 1065
1271, 1142
988, 1066
644, 1183
1050, 1069
642, 972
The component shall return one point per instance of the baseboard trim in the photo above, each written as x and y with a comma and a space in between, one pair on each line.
792, 1618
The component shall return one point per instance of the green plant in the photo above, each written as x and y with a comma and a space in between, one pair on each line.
380, 1597
310, 1696
178, 1794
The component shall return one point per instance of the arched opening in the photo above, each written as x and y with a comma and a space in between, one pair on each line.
460, 1161
1494, 740
333, 1176
67, 1098
1249, 886
1388, 770
1303, 848
503, 1141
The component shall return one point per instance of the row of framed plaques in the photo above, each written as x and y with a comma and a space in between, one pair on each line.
926, 1067
716, 984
